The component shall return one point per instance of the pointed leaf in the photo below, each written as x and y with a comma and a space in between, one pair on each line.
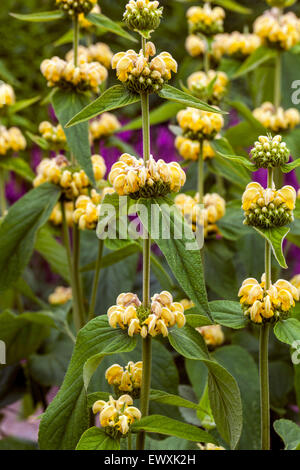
276, 237
170, 399
107, 24
290, 166
233, 6
288, 331
188, 342
289, 433
258, 57
19, 166
113, 98
40, 17
22, 104
171, 93
66, 104
38, 140
228, 313
219, 147
97, 439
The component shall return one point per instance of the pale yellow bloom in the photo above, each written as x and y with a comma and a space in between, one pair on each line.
197, 124
99, 52
119, 414
277, 119
11, 139
103, 126
7, 95
235, 44
87, 209
126, 380
206, 20
278, 30
198, 83
212, 335
56, 215
187, 304
60, 296
195, 46
53, 134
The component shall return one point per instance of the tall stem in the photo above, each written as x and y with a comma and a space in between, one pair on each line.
263, 352
147, 344
201, 174
96, 280
75, 39
76, 274
2, 192
206, 57
277, 82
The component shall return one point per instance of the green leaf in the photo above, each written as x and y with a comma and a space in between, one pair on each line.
248, 115
185, 263
67, 417
188, 342
218, 145
171, 427
23, 334
18, 231
162, 113
113, 98
288, 331
19, 166
175, 400
233, 6
66, 104
97, 439
195, 320
114, 257
107, 24
53, 252
171, 93
228, 313
38, 140
257, 58
40, 17
14, 443
289, 432
22, 104
290, 166
276, 237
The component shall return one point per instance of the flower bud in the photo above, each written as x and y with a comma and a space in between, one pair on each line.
143, 16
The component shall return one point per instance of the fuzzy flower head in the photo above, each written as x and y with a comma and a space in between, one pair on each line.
86, 24
262, 305
116, 416
56, 217
72, 180
268, 208
104, 126
7, 95
54, 135
142, 75
60, 296
210, 87
87, 209
198, 125
212, 334
132, 177
128, 379
75, 7
190, 149
99, 52
205, 20
270, 152
276, 30
195, 46
143, 16
130, 314
236, 45
86, 76
11, 140
277, 119
202, 217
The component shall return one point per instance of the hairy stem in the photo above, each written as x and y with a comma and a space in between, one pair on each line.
76, 274
96, 280
75, 39
201, 174
277, 82
2, 192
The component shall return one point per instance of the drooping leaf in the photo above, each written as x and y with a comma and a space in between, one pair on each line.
97, 439
40, 17
66, 104
67, 417
257, 58
171, 93
288, 331
107, 24
113, 98
290, 166
228, 313
289, 433
276, 237
18, 166
18, 231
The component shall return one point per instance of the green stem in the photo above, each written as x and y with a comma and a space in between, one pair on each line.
96, 280
2, 192
277, 83
206, 58
129, 441
76, 274
201, 174
76, 39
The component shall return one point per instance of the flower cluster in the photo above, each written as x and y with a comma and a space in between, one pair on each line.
235, 44
276, 119
270, 152
187, 304
86, 24
87, 209
262, 304
268, 208
56, 216
195, 46
75, 7
280, 31
198, 217
7, 95
53, 134
60, 296
143, 15
210, 446
126, 380
295, 281
135, 178
210, 86
190, 149
212, 334
99, 52
116, 416
198, 125
103, 126
162, 314
73, 181
86, 76
140, 74
11, 140
206, 20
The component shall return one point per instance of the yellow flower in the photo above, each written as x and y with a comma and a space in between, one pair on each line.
84, 23
7, 95
212, 335
187, 304
205, 20
56, 214
60, 296
277, 119
198, 125
142, 15
11, 140
53, 134
195, 46
235, 44
199, 82
99, 52
117, 414
104, 126
126, 380
295, 281
131, 176
278, 30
